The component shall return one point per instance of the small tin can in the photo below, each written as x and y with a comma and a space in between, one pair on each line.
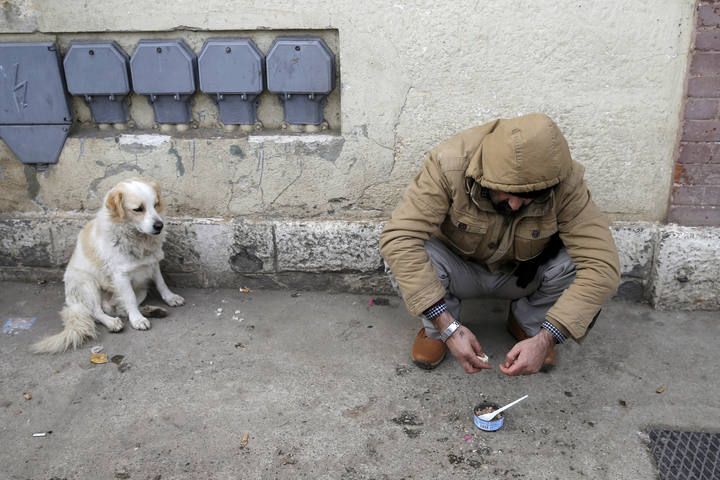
488, 425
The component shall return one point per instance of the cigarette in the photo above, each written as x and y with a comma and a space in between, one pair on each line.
483, 358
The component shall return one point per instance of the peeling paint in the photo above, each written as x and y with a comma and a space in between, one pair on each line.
178, 161
236, 151
292, 138
112, 171
33, 186
139, 143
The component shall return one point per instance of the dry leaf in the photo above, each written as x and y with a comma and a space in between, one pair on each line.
245, 290
27, 395
660, 389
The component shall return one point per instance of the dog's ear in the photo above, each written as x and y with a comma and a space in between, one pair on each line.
156, 186
114, 204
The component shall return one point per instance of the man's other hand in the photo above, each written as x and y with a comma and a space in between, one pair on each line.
527, 356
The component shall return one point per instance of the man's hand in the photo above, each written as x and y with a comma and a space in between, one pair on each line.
527, 357
463, 345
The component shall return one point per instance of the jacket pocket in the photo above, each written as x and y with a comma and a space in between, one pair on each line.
532, 236
464, 232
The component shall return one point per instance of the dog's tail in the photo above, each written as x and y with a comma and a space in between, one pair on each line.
79, 326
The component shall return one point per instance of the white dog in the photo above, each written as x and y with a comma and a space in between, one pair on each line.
116, 256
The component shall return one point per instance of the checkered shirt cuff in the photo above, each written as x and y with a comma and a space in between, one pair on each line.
435, 311
559, 337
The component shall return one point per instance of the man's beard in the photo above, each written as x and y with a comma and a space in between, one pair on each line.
503, 208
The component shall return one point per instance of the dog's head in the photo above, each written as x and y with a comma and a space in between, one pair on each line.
136, 202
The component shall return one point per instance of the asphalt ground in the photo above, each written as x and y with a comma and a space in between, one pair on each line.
283, 384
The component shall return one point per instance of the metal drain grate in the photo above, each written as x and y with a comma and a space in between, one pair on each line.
686, 455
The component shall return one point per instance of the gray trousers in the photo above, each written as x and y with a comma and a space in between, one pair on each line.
463, 279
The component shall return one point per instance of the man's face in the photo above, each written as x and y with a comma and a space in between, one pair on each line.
507, 203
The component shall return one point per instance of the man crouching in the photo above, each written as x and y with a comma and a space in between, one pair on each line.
501, 210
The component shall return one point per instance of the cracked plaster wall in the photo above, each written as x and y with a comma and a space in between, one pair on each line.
411, 73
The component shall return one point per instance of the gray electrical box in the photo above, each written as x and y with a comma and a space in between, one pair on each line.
99, 72
231, 70
164, 70
35, 110
301, 70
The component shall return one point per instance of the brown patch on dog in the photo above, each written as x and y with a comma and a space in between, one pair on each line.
160, 205
114, 204
88, 246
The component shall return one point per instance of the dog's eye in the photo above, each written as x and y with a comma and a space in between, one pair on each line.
139, 209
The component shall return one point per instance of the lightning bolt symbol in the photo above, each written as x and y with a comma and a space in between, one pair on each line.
20, 90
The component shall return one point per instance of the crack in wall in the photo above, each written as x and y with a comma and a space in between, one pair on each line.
261, 167
302, 169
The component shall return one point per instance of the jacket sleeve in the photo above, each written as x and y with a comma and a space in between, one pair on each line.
585, 231
402, 242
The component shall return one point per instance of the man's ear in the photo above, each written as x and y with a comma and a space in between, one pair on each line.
114, 204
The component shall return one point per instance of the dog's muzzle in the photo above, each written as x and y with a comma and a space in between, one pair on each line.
157, 227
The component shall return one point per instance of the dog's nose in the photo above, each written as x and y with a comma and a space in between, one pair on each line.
158, 226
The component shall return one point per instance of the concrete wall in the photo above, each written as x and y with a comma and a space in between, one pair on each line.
411, 73
272, 209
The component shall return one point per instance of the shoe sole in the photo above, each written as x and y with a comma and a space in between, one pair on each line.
428, 365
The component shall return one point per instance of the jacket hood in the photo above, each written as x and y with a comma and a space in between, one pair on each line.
523, 154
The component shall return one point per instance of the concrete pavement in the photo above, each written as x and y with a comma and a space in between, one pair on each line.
325, 388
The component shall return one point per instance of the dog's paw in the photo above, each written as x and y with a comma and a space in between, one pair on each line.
174, 300
140, 323
114, 324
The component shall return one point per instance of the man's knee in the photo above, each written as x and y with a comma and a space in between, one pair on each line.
561, 268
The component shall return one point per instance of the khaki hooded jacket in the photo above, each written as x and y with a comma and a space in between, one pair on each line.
445, 200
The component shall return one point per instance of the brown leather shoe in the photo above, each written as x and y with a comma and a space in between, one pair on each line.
427, 352
519, 334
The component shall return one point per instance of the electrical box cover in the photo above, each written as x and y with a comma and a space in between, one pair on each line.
97, 68
231, 66
31, 85
35, 110
99, 72
165, 71
163, 67
300, 65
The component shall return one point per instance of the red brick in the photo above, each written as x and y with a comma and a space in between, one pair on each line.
699, 153
687, 195
697, 174
712, 196
701, 131
696, 195
701, 108
708, 15
705, 64
694, 216
704, 86
707, 41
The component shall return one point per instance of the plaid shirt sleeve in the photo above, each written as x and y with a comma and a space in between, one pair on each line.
559, 337
435, 311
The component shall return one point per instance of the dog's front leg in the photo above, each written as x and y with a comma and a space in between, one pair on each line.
126, 296
168, 297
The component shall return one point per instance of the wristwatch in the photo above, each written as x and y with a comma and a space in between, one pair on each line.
447, 333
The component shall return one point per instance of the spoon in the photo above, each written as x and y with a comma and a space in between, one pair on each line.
486, 417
